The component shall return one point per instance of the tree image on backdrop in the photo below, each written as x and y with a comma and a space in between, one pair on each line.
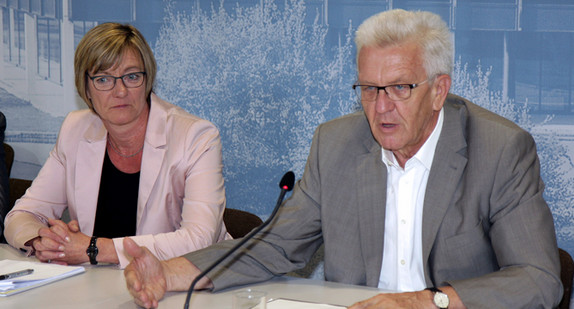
265, 78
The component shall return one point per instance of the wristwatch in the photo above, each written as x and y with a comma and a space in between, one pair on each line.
440, 299
92, 251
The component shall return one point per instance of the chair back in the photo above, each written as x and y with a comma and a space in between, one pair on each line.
566, 273
17, 188
9, 157
240, 222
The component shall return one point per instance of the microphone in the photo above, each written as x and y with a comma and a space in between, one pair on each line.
286, 184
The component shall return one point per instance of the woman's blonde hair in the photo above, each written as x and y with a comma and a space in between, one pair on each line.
103, 47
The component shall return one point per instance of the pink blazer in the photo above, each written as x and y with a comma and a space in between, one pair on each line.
181, 195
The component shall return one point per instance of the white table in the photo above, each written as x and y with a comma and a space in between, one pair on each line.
104, 287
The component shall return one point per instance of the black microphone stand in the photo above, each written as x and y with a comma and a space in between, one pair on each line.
286, 185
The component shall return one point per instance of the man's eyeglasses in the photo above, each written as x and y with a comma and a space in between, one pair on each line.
108, 82
397, 92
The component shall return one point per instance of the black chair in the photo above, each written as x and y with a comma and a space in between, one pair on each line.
566, 273
5, 169
9, 157
17, 188
239, 222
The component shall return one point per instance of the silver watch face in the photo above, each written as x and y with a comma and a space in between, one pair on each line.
441, 300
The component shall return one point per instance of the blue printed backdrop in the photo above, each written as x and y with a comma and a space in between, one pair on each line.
268, 72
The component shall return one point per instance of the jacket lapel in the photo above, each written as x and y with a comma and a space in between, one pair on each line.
88, 172
448, 166
153, 152
371, 191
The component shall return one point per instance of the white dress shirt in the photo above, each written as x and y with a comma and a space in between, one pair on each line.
402, 268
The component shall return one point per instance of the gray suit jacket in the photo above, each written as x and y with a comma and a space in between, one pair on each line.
487, 231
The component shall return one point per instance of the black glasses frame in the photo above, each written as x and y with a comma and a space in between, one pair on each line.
384, 88
115, 78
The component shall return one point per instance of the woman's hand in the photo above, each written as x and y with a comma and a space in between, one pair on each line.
49, 245
75, 248
61, 243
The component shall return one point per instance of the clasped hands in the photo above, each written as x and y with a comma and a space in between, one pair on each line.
61, 243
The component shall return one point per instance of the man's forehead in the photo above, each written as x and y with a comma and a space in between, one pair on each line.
393, 64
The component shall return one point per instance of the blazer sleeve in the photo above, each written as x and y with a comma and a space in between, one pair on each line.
46, 198
199, 223
522, 236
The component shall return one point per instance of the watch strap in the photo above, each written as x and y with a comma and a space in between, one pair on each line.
434, 290
92, 250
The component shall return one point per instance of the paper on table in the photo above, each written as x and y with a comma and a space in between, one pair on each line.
281, 303
43, 274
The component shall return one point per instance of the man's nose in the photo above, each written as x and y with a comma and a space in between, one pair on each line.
383, 103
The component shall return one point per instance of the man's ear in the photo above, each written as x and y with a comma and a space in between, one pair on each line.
441, 87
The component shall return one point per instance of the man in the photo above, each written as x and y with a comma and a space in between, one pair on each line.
421, 190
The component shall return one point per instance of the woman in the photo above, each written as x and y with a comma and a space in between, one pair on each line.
130, 165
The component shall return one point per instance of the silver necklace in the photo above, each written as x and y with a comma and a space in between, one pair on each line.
121, 154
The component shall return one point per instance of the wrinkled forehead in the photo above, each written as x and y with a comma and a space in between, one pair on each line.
397, 57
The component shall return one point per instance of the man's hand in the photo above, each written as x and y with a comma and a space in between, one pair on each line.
148, 278
415, 300
420, 299
145, 278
